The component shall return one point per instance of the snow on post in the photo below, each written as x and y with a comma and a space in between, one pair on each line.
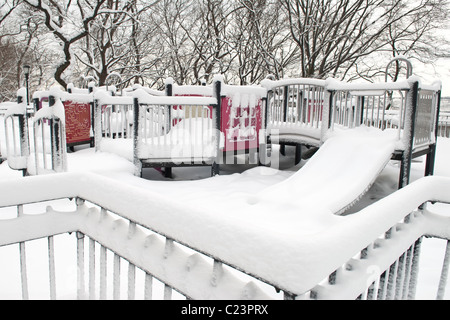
16, 133
50, 135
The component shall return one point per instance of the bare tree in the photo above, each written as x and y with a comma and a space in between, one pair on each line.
190, 40
333, 36
19, 41
207, 32
59, 17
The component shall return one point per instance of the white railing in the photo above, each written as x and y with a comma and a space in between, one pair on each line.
176, 129
49, 137
306, 109
296, 106
371, 254
16, 136
153, 130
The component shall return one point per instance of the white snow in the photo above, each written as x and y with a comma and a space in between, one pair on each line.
264, 220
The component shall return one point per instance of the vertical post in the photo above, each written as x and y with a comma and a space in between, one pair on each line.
148, 287
55, 127
26, 71
169, 93
431, 156
263, 142
93, 124
131, 281
51, 263
361, 119
23, 261
80, 265
23, 133
167, 292
91, 269
444, 273
36, 104
330, 109
285, 111
136, 160
411, 107
103, 271
116, 277
414, 270
217, 111
24, 144
97, 121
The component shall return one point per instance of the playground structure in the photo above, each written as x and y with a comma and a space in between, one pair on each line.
202, 125
207, 125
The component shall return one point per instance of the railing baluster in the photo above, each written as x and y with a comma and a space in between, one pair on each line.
103, 273
91, 269
80, 266
51, 263
383, 286
400, 277
23, 271
148, 290
444, 273
23, 261
391, 281
167, 292
131, 281
408, 271
217, 273
116, 277
414, 270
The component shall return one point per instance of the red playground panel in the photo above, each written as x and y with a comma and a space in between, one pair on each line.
240, 124
78, 122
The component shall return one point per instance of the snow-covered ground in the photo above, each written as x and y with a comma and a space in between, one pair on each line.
193, 185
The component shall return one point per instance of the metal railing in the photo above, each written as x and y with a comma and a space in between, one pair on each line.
381, 264
16, 136
176, 131
309, 108
49, 137
295, 106
158, 130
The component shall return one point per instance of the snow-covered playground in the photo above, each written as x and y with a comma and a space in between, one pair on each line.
218, 192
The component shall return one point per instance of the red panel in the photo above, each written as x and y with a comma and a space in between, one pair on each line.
78, 122
241, 126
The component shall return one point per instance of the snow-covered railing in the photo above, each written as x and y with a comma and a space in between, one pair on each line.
158, 131
126, 237
309, 108
296, 107
307, 111
16, 136
187, 131
49, 132
370, 254
241, 117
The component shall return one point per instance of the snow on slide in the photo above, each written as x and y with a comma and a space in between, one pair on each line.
341, 171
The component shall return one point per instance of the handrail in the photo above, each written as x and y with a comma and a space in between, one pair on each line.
306, 259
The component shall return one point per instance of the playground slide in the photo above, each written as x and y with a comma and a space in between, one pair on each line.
341, 171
